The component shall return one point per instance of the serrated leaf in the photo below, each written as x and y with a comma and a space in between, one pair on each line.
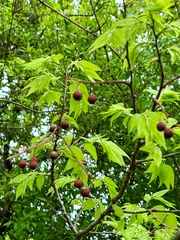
166, 176
30, 181
19, 178
97, 183
68, 138
100, 41
78, 153
91, 149
160, 193
90, 203
111, 185
19, 190
61, 182
117, 210
126, 22
57, 57
36, 63
40, 181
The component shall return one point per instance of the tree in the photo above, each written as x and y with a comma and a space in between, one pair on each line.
125, 53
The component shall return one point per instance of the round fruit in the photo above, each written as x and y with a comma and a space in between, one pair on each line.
53, 154
22, 163
168, 132
34, 159
84, 162
64, 124
85, 192
161, 126
78, 183
52, 127
77, 95
92, 99
33, 165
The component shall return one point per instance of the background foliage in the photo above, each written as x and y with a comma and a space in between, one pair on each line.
125, 52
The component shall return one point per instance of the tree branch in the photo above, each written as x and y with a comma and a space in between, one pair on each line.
75, 23
160, 63
118, 196
170, 81
100, 83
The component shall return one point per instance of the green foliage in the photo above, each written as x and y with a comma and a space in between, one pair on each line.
127, 54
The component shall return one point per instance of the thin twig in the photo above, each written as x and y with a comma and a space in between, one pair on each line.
160, 63
99, 83
118, 196
40, 143
158, 220
63, 209
170, 81
161, 106
176, 163
75, 23
164, 156
77, 160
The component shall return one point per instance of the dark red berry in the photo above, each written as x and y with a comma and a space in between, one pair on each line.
33, 165
22, 163
53, 154
92, 99
64, 124
78, 183
161, 126
52, 127
77, 95
168, 132
34, 159
85, 192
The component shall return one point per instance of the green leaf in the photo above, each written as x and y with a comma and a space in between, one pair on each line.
36, 63
111, 186
50, 97
90, 203
30, 180
68, 138
100, 41
19, 178
167, 95
61, 182
97, 183
116, 110
160, 193
40, 181
117, 210
126, 22
89, 69
57, 57
78, 153
171, 220
166, 176
91, 149
20, 190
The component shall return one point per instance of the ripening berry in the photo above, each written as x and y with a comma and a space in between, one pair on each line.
33, 165
53, 155
77, 95
22, 163
78, 183
168, 132
161, 126
64, 124
92, 99
85, 192
52, 127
